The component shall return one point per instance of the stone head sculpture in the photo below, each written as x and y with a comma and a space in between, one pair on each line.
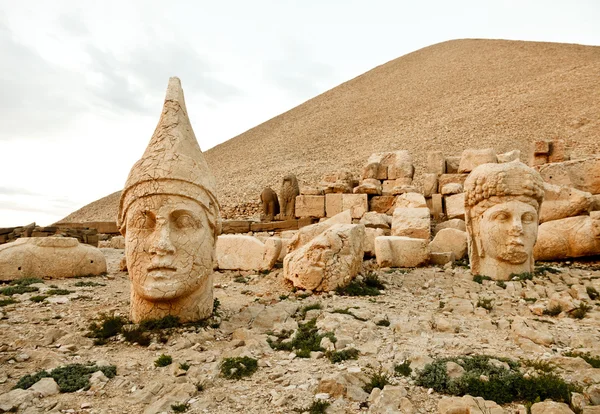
502, 204
169, 216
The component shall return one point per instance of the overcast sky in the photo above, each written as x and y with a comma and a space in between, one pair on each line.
82, 82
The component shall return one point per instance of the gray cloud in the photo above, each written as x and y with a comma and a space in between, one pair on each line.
297, 73
15, 191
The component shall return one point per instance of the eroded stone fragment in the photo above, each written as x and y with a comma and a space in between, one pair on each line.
450, 240
240, 252
502, 203
53, 257
331, 259
310, 206
307, 233
398, 251
582, 174
269, 204
287, 197
472, 158
170, 218
570, 237
562, 202
412, 222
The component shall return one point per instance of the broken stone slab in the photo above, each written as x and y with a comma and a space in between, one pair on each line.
404, 188
383, 204
398, 251
391, 399
412, 222
582, 174
437, 206
307, 233
569, 237
45, 387
410, 200
450, 240
400, 165
468, 405
441, 259
374, 168
550, 407
436, 163
310, 206
455, 206
330, 260
339, 182
562, 202
451, 188
345, 384
430, 184
370, 235
534, 332
452, 164
457, 224
240, 252
53, 257
509, 156
376, 220
358, 204
451, 179
472, 158
369, 186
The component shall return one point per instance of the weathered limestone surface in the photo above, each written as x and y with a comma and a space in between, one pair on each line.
451, 178
371, 233
436, 163
410, 200
472, 158
376, 220
369, 186
53, 257
570, 237
310, 206
398, 251
452, 164
331, 259
358, 204
450, 240
307, 233
451, 224
550, 407
430, 184
169, 215
509, 156
468, 405
562, 202
451, 188
333, 204
502, 203
382, 204
238, 252
455, 206
582, 174
339, 182
412, 222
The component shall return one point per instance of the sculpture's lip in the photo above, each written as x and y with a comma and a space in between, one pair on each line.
161, 267
516, 243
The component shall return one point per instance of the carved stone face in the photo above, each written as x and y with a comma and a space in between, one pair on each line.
170, 247
508, 231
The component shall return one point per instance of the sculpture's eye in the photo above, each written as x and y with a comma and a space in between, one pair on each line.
186, 221
143, 220
528, 218
501, 216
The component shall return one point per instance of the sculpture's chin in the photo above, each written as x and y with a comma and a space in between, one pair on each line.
516, 256
161, 291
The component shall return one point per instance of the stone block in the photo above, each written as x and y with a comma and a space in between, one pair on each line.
235, 226
430, 184
374, 169
450, 240
310, 206
451, 178
558, 151
333, 204
330, 260
376, 220
400, 165
472, 158
370, 235
410, 200
538, 159
441, 259
452, 164
509, 156
307, 233
437, 206
412, 222
582, 174
451, 188
241, 252
540, 147
398, 251
569, 237
436, 163
595, 205
369, 186
387, 186
358, 204
457, 224
455, 206
382, 204
562, 202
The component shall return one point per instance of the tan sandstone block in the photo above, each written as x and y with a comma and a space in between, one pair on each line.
370, 235
509, 156
452, 164
437, 206
330, 260
333, 204
583, 174
457, 224
310, 206
358, 204
400, 165
368, 186
240, 252
455, 206
382, 204
451, 178
410, 200
450, 240
451, 188
562, 202
412, 222
441, 259
430, 184
540, 147
54, 257
472, 158
595, 205
550, 407
538, 159
307, 233
436, 163
558, 151
398, 251
387, 186
374, 168
569, 237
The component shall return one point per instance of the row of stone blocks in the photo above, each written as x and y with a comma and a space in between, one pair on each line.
83, 235
328, 205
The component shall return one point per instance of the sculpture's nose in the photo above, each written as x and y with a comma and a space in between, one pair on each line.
516, 228
161, 240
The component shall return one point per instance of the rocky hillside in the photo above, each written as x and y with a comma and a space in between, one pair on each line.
449, 96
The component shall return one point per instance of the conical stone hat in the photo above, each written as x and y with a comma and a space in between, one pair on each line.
172, 163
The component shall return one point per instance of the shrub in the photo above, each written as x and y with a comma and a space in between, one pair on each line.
26, 281
592, 292
580, 311
136, 335
521, 276
88, 284
383, 322
163, 361
403, 369
53, 292
238, 367
180, 408
343, 355
306, 340
106, 327
6, 302
17, 290
377, 380
317, 407
69, 378
480, 278
303, 310
553, 310
368, 286
501, 284
346, 311
501, 385
184, 366
485, 304
543, 269
38, 298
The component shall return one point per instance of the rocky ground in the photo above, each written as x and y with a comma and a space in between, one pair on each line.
432, 312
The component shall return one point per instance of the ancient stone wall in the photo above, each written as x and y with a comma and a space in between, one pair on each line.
83, 235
